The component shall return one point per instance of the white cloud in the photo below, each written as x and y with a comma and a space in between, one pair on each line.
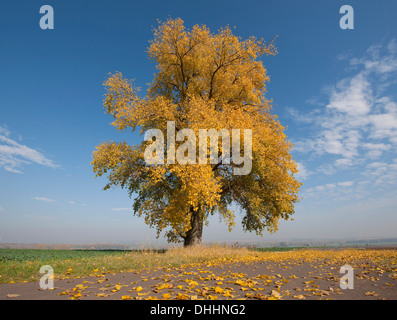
13, 154
379, 59
384, 126
376, 146
352, 96
44, 199
376, 165
346, 183
305, 118
382, 173
335, 191
375, 149
343, 162
303, 172
354, 135
121, 209
4, 131
359, 122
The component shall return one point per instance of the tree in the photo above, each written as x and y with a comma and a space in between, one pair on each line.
210, 81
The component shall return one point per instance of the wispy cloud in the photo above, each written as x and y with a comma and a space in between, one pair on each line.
359, 120
375, 61
14, 155
351, 136
346, 183
44, 199
381, 173
303, 172
331, 186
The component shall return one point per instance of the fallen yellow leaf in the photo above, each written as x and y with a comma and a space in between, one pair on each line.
218, 290
166, 295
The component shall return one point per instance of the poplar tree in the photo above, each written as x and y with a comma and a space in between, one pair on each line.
204, 80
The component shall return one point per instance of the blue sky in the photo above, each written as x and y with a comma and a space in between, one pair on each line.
334, 90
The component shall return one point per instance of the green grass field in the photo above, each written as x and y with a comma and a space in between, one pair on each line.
18, 265
24, 264
21, 255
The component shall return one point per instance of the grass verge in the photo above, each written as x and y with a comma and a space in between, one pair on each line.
19, 265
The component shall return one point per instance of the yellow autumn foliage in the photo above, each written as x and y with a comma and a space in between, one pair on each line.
208, 81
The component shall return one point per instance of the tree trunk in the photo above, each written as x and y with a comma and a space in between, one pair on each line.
194, 235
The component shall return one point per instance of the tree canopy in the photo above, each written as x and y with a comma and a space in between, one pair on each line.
208, 81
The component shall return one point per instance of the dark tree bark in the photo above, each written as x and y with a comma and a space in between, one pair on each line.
194, 235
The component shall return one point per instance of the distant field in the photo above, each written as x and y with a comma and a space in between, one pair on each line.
276, 249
